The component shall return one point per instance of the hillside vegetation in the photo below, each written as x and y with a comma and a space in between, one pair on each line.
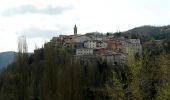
52, 73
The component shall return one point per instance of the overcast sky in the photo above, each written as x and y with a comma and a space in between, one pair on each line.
40, 20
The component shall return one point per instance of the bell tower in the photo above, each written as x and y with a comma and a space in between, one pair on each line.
75, 30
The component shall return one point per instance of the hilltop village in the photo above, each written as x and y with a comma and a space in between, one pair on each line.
109, 47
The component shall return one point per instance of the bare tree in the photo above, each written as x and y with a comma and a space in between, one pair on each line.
22, 44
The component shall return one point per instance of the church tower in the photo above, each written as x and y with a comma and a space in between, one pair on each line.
75, 30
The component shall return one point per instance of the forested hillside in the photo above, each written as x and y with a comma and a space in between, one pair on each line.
149, 30
51, 73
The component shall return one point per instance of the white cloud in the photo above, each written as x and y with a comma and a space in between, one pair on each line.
26, 9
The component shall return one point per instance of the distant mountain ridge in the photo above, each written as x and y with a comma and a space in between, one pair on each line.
6, 58
146, 33
148, 30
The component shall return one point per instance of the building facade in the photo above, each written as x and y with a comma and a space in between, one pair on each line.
81, 38
84, 51
90, 44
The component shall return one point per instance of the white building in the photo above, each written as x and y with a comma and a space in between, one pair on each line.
81, 38
134, 41
84, 51
101, 44
90, 44
94, 44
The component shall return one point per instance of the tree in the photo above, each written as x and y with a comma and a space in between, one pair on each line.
132, 72
163, 86
22, 45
